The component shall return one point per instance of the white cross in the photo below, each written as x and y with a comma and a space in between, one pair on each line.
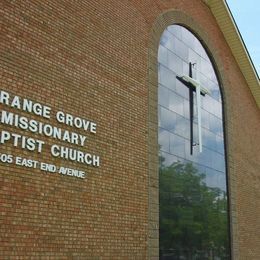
199, 89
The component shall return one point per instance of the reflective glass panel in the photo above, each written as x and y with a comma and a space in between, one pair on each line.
193, 189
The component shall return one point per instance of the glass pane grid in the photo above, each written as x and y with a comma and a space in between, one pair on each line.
192, 186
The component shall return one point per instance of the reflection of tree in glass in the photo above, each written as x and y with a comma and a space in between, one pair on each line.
193, 217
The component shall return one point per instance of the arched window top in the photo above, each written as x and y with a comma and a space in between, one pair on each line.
184, 47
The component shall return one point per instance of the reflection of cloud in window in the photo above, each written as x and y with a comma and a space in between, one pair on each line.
212, 106
205, 157
215, 179
167, 78
220, 144
169, 159
180, 49
175, 30
211, 86
176, 103
175, 63
219, 162
163, 96
162, 55
204, 119
167, 119
209, 139
177, 145
181, 90
194, 58
215, 125
182, 127
166, 39
164, 140
212, 141
207, 70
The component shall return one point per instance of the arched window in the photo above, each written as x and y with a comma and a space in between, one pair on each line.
192, 174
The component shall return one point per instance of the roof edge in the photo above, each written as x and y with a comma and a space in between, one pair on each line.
226, 22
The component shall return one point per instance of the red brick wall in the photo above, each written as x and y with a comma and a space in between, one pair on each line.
90, 59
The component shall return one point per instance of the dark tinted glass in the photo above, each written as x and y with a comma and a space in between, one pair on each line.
193, 193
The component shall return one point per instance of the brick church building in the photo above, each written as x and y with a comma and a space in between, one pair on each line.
128, 130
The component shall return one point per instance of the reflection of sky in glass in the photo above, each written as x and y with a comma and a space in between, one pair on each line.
192, 187
177, 48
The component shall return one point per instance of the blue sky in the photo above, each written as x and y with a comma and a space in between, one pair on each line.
247, 16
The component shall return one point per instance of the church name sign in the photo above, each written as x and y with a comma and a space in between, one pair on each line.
19, 118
